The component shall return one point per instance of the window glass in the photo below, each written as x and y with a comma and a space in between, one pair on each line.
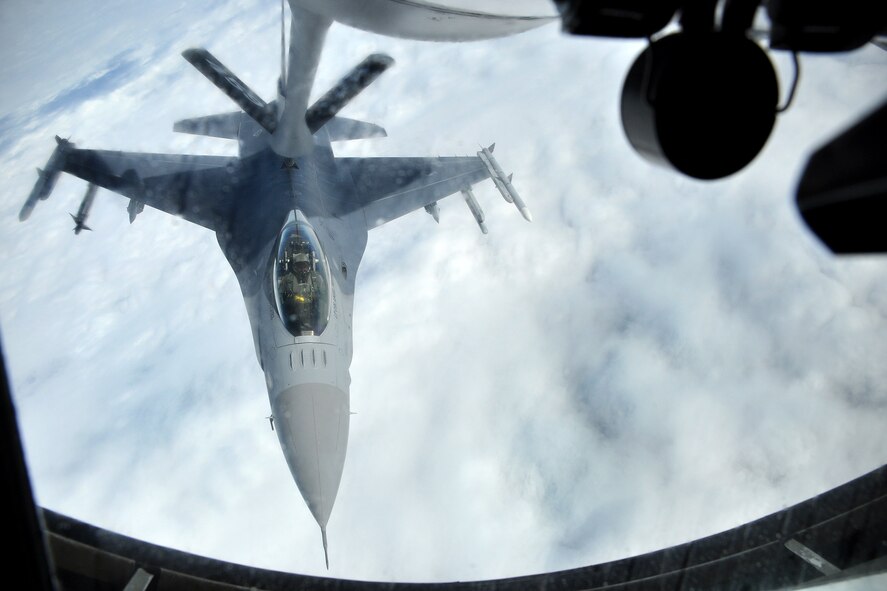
652, 360
301, 281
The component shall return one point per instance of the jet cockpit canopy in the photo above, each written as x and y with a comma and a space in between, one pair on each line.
301, 280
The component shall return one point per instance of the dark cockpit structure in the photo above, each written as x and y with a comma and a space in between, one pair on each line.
301, 280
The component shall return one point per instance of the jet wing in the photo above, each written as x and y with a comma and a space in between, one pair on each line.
388, 188
197, 188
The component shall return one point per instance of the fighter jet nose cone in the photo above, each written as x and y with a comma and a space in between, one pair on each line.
311, 421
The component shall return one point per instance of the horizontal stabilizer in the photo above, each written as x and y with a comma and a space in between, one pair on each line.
234, 87
342, 128
225, 125
348, 87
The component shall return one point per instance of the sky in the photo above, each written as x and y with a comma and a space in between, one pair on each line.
652, 360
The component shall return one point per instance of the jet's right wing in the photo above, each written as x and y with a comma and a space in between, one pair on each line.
392, 187
388, 188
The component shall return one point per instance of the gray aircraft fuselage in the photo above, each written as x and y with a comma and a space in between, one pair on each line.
306, 371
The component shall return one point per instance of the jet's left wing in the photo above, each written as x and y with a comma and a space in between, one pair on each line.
197, 188
391, 187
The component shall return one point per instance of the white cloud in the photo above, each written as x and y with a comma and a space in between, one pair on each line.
652, 360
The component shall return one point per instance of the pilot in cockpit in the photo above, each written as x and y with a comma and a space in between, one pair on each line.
301, 286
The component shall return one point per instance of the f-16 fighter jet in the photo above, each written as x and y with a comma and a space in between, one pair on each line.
292, 220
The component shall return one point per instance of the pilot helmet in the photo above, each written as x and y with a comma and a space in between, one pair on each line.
302, 258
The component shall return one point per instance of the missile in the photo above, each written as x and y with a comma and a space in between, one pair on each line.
476, 211
46, 178
496, 181
434, 211
36, 192
83, 212
503, 183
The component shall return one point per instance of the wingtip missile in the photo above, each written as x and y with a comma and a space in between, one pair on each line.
525, 211
502, 182
46, 178
38, 193
500, 186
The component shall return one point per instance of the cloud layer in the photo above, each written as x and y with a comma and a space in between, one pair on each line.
652, 360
